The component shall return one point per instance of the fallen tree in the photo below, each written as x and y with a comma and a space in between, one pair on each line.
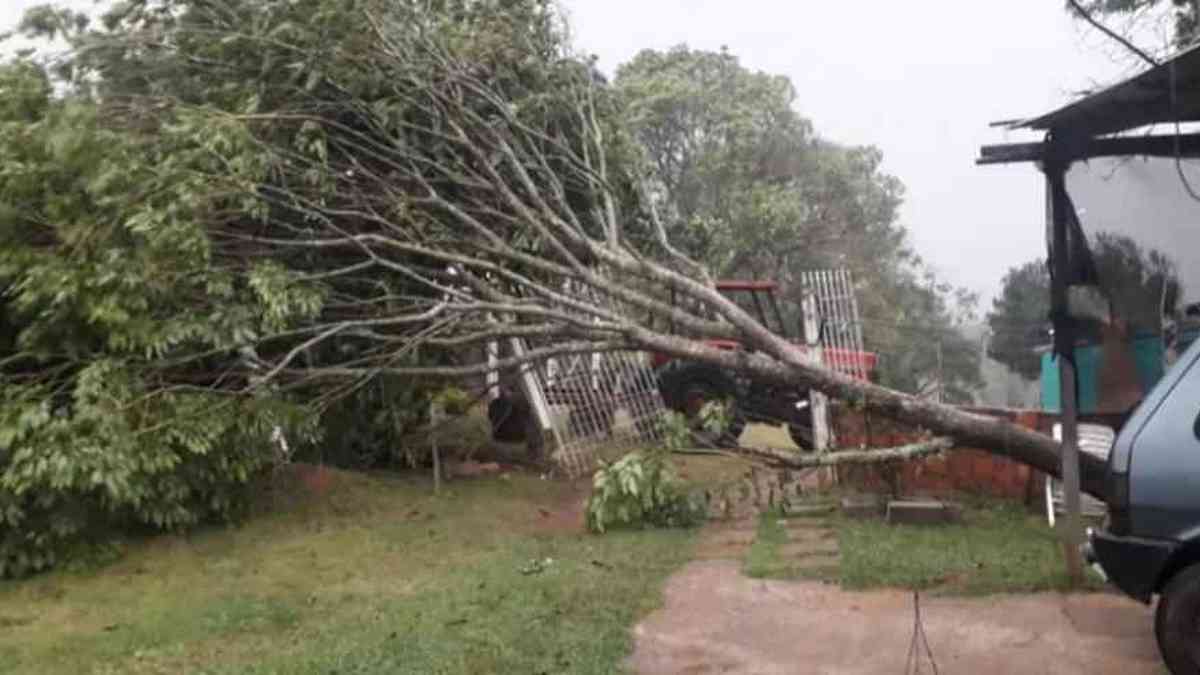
433, 195
494, 207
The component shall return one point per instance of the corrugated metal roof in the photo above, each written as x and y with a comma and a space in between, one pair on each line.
1137, 102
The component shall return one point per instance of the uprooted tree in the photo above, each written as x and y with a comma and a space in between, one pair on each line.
247, 201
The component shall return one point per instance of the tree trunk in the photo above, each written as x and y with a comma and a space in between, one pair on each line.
905, 452
969, 430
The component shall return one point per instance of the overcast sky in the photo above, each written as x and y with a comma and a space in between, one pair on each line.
920, 79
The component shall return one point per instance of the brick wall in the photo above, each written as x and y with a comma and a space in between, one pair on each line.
960, 470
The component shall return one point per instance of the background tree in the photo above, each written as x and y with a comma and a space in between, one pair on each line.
744, 184
1141, 286
1184, 15
1020, 318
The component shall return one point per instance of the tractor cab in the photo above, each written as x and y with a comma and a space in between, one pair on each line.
687, 386
757, 298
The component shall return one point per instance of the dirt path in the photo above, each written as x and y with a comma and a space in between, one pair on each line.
717, 621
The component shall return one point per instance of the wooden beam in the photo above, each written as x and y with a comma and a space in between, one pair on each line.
1057, 212
1185, 145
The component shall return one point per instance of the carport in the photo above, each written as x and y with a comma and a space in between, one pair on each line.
1119, 171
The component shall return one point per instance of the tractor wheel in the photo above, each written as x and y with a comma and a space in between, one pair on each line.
801, 429
692, 389
509, 417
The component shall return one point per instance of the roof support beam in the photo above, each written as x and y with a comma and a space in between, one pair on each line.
1183, 145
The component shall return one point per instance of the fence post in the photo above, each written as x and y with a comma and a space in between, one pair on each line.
818, 401
437, 414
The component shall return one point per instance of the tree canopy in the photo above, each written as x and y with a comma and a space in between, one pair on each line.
745, 184
1184, 15
1020, 318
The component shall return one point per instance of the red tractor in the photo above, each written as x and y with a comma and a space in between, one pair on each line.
686, 386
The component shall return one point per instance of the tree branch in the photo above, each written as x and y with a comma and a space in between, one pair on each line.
792, 460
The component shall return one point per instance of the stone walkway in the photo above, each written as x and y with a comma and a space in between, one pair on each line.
811, 546
715, 620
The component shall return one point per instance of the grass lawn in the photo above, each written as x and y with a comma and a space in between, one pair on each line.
1000, 547
376, 575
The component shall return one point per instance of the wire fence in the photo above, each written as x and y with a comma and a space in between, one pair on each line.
841, 334
590, 404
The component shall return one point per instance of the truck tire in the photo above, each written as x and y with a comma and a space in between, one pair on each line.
1177, 622
693, 386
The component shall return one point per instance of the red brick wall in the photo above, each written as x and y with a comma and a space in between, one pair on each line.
960, 470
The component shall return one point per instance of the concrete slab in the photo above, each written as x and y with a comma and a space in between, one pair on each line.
862, 506
919, 512
808, 510
714, 620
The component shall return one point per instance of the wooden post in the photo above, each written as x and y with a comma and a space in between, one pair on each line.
818, 401
493, 375
535, 393
1057, 212
436, 416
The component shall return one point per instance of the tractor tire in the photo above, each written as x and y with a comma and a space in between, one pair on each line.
1177, 622
691, 387
801, 429
509, 418
535, 440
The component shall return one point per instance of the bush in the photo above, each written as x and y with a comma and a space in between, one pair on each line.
368, 428
637, 490
113, 457
119, 337
385, 423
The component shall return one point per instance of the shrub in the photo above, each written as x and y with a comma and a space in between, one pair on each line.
637, 490
119, 337
115, 457
385, 423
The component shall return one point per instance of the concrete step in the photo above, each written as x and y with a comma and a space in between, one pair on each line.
921, 512
810, 550
809, 510
862, 506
